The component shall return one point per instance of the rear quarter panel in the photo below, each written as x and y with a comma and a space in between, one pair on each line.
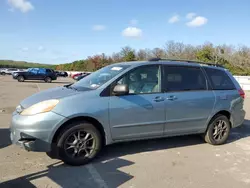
231, 101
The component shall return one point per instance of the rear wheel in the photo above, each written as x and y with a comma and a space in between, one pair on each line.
79, 143
218, 130
48, 79
20, 79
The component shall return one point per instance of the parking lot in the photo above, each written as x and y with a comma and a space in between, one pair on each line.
171, 162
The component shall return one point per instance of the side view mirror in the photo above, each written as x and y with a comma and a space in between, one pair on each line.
121, 89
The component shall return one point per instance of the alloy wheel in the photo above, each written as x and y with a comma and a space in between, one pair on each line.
220, 130
79, 144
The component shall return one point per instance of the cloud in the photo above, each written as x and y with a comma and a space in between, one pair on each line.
132, 32
174, 19
197, 22
99, 27
190, 15
133, 22
22, 5
41, 48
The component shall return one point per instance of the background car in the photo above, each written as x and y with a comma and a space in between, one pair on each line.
61, 73
36, 74
8, 71
81, 76
77, 74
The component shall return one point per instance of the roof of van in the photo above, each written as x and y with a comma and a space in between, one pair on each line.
172, 62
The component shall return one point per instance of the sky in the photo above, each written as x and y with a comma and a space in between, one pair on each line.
60, 31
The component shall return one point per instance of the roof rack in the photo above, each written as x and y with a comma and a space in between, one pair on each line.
188, 61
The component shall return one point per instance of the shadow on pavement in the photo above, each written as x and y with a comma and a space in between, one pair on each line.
107, 164
4, 138
240, 132
82, 176
110, 161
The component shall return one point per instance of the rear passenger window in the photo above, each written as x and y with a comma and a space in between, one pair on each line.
179, 78
41, 71
219, 79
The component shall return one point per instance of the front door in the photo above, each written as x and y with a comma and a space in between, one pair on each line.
188, 101
141, 113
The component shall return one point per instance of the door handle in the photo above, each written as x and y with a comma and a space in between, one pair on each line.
171, 98
158, 99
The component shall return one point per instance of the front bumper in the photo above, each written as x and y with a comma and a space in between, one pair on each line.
34, 133
14, 76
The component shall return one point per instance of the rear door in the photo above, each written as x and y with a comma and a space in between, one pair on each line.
189, 103
41, 74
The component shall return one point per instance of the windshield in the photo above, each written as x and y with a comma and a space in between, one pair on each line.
100, 77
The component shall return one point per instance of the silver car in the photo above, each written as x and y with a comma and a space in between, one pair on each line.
129, 101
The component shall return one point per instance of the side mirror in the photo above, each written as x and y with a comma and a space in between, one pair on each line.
121, 89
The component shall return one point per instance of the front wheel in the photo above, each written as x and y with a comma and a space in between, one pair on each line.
218, 130
79, 143
48, 80
20, 79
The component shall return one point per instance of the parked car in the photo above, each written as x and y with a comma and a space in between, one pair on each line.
76, 74
61, 74
8, 71
81, 76
130, 101
35, 74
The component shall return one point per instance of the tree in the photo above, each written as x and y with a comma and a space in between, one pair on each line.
158, 53
141, 55
205, 53
128, 54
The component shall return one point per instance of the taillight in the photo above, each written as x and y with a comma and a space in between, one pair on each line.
242, 93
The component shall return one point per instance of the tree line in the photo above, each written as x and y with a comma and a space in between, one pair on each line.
236, 59
23, 64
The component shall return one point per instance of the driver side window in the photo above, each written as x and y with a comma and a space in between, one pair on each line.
145, 79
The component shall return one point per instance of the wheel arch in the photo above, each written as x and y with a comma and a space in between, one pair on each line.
89, 119
222, 112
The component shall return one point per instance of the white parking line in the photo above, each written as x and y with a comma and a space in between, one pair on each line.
37, 86
96, 176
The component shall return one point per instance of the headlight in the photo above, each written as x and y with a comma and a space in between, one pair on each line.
41, 107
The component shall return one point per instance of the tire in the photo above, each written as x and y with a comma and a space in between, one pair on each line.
20, 79
3, 73
214, 134
48, 80
69, 135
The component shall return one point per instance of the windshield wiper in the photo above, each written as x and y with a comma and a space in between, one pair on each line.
70, 87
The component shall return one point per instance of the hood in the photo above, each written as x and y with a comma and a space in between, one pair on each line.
54, 93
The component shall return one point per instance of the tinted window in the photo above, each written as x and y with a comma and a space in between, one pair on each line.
219, 79
179, 78
41, 71
34, 70
145, 79
48, 71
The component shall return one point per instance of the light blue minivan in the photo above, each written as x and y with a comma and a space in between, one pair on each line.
129, 101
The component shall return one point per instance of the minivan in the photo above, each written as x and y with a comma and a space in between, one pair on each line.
130, 101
